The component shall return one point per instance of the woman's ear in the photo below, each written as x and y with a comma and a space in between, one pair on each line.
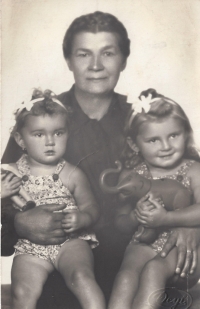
19, 140
132, 145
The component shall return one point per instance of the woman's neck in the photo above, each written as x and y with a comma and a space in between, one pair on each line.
93, 105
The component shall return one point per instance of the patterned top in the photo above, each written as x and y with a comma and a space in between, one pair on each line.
49, 189
180, 176
41, 188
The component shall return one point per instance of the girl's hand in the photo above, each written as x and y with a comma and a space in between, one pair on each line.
10, 185
75, 220
150, 212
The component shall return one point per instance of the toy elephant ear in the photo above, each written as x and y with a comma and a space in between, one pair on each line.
105, 188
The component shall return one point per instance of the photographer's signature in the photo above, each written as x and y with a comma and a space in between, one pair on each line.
171, 298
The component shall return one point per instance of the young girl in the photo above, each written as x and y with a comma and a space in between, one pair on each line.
41, 130
160, 138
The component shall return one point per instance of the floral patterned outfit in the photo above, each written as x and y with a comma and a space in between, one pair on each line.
47, 189
180, 176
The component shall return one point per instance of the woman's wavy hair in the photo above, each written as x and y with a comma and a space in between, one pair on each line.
44, 107
159, 110
94, 23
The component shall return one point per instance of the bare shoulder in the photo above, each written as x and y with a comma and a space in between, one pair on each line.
194, 171
71, 175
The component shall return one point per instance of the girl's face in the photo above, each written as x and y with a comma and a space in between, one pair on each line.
44, 137
162, 144
96, 62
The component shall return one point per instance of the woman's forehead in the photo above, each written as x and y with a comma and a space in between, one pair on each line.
99, 40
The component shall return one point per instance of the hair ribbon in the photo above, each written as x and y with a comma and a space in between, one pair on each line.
28, 104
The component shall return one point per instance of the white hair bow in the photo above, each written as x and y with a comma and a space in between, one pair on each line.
141, 104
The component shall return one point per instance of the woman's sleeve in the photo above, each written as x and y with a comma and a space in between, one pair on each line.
12, 152
8, 235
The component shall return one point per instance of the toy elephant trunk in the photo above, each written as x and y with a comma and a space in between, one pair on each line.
133, 185
105, 188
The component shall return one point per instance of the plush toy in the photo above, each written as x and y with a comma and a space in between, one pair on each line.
22, 200
134, 186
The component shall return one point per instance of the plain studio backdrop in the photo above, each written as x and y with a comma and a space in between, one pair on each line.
165, 53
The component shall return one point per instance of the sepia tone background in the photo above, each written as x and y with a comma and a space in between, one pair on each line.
165, 49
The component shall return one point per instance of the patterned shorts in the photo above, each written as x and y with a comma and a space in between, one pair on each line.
50, 252
159, 243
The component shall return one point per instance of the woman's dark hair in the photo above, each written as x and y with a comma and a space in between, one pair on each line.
96, 22
160, 109
47, 106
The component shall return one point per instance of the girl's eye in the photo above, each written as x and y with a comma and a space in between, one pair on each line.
153, 140
38, 134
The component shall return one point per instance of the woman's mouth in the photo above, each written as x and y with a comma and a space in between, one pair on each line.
97, 80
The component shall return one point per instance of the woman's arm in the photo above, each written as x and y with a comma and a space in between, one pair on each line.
79, 186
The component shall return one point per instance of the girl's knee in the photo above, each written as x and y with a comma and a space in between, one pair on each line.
23, 292
80, 277
155, 266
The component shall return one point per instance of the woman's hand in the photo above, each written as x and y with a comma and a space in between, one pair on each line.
10, 185
186, 240
41, 225
150, 212
75, 220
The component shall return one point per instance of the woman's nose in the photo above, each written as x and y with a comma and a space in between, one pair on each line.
96, 63
49, 141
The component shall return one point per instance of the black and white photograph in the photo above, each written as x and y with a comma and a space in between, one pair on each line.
100, 154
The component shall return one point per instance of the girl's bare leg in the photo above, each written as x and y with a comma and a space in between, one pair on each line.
156, 274
28, 275
126, 282
75, 263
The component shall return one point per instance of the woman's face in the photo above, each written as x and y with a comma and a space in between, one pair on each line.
96, 62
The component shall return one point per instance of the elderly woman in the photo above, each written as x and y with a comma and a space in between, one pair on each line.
96, 48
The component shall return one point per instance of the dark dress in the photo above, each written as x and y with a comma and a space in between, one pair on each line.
93, 146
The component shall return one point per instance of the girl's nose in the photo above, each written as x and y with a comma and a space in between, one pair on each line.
166, 145
50, 141
96, 63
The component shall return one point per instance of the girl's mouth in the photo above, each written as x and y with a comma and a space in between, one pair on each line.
50, 152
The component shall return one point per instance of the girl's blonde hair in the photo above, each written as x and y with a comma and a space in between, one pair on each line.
159, 110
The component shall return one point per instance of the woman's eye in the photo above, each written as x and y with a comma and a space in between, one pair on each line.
108, 54
173, 136
83, 55
59, 133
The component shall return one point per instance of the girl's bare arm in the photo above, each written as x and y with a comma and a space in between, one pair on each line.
190, 216
75, 180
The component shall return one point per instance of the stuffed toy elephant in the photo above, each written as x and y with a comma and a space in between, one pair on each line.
134, 186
